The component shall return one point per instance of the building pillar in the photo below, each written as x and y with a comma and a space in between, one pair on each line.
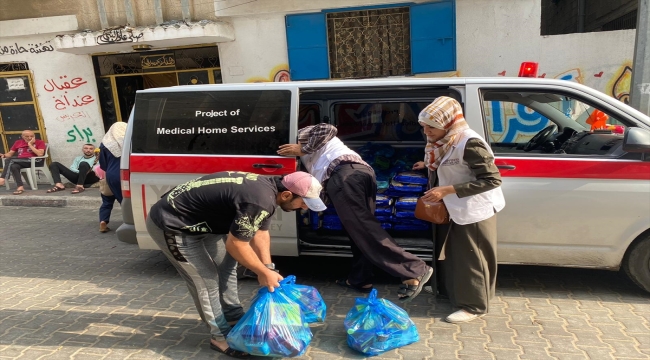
640, 87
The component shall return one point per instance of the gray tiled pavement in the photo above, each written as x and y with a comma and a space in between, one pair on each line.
69, 292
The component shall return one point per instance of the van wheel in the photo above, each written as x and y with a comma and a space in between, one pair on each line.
636, 262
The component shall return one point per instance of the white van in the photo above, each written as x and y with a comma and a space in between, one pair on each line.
575, 197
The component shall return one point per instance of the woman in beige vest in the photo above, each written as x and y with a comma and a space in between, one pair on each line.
464, 176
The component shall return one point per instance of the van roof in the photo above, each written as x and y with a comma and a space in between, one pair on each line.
403, 82
410, 81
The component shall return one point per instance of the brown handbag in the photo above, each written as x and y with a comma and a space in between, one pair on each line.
434, 212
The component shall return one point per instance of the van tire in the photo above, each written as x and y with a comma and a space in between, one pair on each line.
636, 262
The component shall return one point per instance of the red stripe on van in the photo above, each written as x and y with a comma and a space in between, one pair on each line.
209, 164
586, 169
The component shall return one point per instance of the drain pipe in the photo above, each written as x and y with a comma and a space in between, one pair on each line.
581, 16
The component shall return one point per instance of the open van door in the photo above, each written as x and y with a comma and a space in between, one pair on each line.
181, 133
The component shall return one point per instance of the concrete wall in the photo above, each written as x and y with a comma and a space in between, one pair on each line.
493, 39
67, 112
259, 51
87, 11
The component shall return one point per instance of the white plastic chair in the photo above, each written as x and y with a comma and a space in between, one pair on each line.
30, 172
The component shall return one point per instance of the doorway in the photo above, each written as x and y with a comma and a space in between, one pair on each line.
18, 106
119, 76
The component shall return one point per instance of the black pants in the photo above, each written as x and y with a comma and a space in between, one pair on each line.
83, 177
15, 166
352, 188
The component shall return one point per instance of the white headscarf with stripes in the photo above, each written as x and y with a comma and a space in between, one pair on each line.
444, 113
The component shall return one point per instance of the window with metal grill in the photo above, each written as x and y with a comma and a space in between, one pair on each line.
369, 43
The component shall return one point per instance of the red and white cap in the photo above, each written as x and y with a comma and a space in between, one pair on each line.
307, 187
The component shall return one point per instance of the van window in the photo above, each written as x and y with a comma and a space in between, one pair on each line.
211, 122
532, 123
379, 121
308, 115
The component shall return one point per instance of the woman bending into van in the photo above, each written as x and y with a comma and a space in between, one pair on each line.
461, 167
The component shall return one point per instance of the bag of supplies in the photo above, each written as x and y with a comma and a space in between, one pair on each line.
377, 325
273, 326
307, 297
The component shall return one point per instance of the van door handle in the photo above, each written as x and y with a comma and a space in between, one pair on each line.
273, 166
506, 167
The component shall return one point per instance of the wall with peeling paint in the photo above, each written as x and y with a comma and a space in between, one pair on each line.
66, 93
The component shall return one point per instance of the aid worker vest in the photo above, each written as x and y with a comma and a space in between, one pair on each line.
454, 170
317, 162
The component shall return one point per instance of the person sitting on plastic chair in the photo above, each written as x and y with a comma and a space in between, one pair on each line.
79, 172
25, 148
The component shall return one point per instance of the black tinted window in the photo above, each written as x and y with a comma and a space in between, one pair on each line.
379, 121
211, 122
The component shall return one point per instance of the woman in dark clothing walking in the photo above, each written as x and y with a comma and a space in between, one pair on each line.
466, 179
110, 152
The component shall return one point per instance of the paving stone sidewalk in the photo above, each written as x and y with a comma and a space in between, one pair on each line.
70, 292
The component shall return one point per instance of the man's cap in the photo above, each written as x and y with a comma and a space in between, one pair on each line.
307, 187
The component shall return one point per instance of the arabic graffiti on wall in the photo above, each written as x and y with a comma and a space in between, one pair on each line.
83, 135
26, 48
65, 100
72, 116
120, 35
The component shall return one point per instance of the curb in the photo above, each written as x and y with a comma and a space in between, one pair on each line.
88, 202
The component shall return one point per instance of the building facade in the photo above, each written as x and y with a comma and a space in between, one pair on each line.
68, 71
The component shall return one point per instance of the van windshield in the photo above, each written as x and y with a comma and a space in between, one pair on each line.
211, 122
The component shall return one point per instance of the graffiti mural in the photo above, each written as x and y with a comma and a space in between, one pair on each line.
15, 48
64, 100
84, 135
279, 73
619, 85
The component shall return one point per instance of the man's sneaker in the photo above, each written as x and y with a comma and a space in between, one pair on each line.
103, 227
461, 316
248, 274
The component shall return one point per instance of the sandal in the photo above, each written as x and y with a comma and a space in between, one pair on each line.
360, 288
77, 190
55, 189
18, 192
409, 292
230, 352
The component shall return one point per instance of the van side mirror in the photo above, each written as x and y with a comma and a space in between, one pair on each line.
636, 140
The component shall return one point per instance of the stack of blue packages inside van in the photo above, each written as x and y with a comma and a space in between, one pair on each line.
405, 189
398, 190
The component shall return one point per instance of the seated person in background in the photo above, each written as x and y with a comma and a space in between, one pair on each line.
79, 172
24, 149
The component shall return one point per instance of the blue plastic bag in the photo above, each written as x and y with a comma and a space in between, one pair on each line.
273, 326
307, 297
377, 325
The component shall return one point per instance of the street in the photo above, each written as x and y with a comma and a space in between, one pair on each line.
70, 292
